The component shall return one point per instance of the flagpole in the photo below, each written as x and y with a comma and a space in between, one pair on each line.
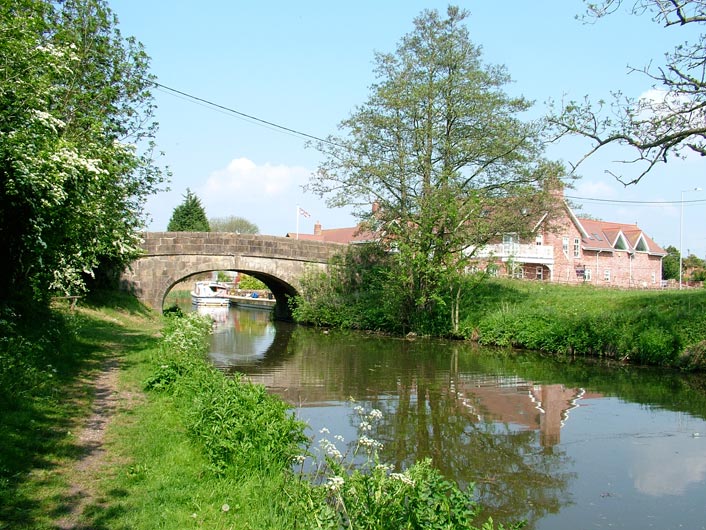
297, 221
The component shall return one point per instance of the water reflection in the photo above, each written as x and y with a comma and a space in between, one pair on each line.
561, 444
239, 336
668, 467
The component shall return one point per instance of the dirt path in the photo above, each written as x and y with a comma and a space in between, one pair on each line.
84, 471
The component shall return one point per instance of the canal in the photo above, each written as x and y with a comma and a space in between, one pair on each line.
568, 444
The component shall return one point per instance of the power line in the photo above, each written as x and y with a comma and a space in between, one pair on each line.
653, 203
289, 130
243, 114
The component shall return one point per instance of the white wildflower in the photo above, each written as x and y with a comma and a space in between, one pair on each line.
330, 449
335, 483
339, 438
225, 507
365, 426
299, 459
402, 477
324, 430
369, 442
375, 414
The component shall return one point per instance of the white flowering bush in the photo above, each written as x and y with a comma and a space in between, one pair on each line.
74, 101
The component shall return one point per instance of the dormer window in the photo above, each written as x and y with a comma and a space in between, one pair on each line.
641, 245
620, 243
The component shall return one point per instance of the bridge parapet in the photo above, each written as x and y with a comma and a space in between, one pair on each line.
228, 244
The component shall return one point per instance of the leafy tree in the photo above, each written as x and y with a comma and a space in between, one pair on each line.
673, 121
189, 216
694, 268
76, 151
238, 225
670, 264
250, 283
438, 148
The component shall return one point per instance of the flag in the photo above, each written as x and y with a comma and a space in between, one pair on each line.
304, 212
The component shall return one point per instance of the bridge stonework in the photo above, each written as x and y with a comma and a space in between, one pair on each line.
170, 257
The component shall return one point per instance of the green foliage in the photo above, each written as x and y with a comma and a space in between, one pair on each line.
250, 283
670, 264
437, 145
238, 225
74, 104
189, 216
644, 327
354, 294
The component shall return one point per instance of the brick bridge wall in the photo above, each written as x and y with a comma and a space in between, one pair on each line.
169, 257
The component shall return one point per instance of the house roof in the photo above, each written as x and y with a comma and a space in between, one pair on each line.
610, 236
353, 234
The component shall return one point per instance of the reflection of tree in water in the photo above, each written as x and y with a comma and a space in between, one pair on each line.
243, 337
515, 478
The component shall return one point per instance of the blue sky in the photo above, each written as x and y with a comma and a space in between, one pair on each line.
306, 65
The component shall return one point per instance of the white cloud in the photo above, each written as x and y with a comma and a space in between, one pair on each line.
668, 466
595, 189
242, 178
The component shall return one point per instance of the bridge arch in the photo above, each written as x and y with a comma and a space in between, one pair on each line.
170, 257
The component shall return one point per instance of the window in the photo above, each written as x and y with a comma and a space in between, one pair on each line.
654, 277
577, 248
606, 275
510, 242
539, 240
540, 273
565, 245
587, 274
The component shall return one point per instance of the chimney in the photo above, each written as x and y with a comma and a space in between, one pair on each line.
555, 187
317, 228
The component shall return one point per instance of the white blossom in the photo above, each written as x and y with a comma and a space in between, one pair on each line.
402, 477
335, 483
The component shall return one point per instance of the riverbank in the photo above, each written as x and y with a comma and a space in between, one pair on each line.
115, 421
665, 328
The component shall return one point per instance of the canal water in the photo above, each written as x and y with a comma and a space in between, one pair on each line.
564, 444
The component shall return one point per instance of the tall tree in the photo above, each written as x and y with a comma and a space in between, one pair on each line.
76, 151
189, 216
672, 120
670, 264
439, 149
234, 224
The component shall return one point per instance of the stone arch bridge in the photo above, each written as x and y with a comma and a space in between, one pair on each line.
171, 257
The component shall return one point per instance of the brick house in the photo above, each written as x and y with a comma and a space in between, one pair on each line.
579, 250
569, 249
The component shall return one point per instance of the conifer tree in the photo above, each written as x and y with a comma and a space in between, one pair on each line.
189, 216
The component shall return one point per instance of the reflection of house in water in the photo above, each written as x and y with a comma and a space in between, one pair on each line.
515, 401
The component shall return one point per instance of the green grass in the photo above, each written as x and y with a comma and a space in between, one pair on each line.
48, 359
649, 327
153, 475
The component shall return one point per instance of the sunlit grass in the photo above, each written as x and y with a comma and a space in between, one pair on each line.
652, 327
